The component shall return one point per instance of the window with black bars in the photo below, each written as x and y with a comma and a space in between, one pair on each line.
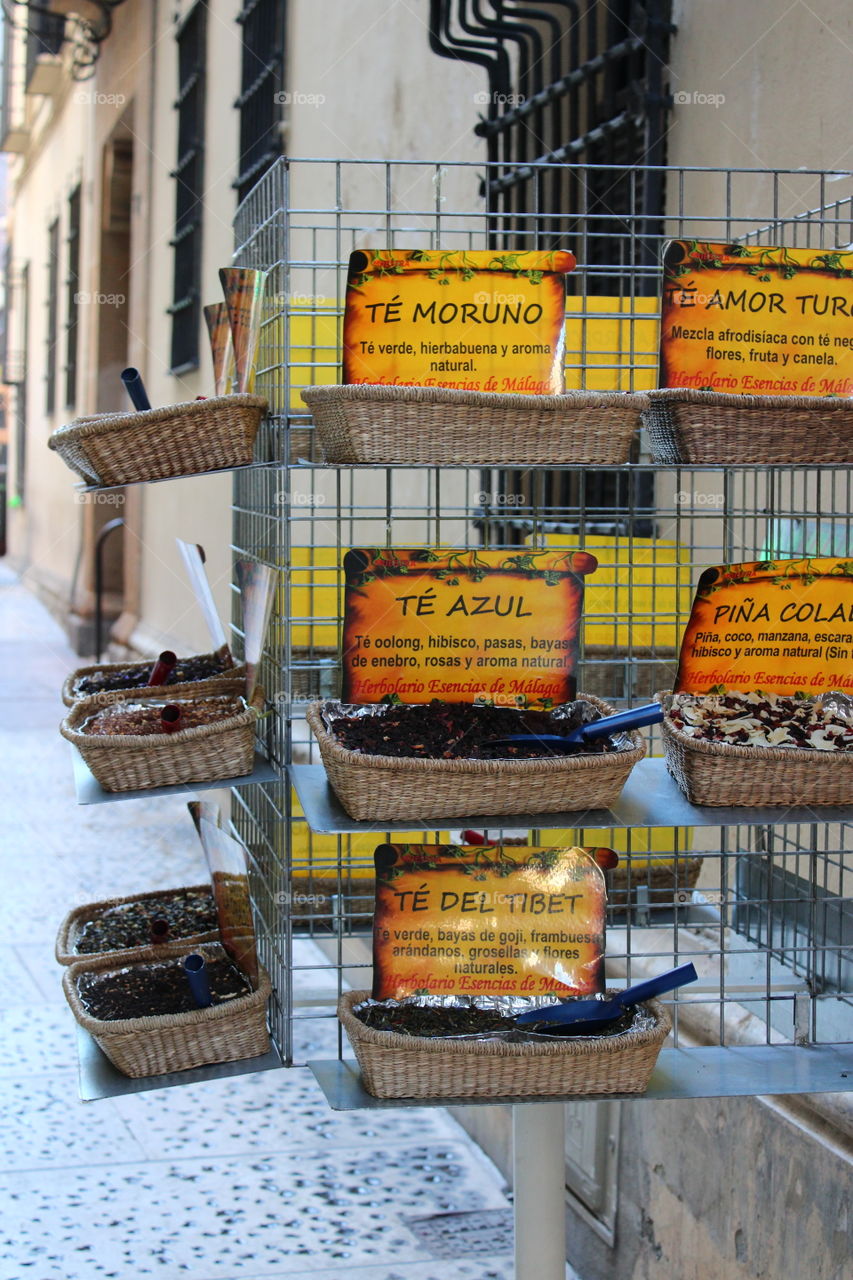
189, 191
72, 295
23, 301
573, 85
45, 34
262, 96
52, 326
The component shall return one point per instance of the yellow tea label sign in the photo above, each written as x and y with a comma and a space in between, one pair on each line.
760, 321
464, 626
778, 626
487, 920
475, 320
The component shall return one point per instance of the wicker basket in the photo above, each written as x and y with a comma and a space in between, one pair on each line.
128, 762
709, 427
75, 922
664, 882
717, 773
69, 689
387, 788
180, 439
378, 424
397, 1066
153, 1046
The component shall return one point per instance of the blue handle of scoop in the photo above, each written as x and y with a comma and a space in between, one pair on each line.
608, 1010
633, 718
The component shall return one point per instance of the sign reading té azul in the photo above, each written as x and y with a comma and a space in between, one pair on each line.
760, 321
463, 626
475, 320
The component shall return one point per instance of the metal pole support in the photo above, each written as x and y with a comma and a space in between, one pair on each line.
104, 533
539, 1183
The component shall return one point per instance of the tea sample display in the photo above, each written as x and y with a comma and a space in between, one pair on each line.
766, 720
142, 719
455, 731
185, 670
150, 990
186, 912
479, 1016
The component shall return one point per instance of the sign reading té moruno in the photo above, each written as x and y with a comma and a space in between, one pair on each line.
742, 319
778, 626
464, 626
473, 320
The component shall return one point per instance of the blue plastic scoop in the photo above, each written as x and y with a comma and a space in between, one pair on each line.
633, 718
591, 1015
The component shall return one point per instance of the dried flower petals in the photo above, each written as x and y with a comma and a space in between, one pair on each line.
762, 720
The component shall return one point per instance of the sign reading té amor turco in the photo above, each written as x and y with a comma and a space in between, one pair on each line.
464, 626
759, 321
474, 320
778, 626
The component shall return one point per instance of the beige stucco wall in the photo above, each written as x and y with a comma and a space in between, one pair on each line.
783, 73
413, 107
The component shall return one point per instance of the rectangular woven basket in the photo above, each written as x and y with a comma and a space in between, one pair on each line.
153, 1046
128, 762
388, 788
70, 693
444, 426
663, 884
397, 1066
709, 427
154, 444
75, 922
718, 773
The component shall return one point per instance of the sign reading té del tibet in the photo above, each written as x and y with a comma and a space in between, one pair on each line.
758, 321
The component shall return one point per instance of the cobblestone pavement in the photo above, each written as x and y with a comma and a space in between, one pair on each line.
233, 1179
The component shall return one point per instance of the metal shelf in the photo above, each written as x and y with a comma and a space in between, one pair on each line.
679, 1073
90, 791
650, 798
100, 1079
187, 475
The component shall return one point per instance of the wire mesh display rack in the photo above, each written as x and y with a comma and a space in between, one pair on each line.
760, 901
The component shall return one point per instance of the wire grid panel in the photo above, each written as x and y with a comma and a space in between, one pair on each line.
764, 912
